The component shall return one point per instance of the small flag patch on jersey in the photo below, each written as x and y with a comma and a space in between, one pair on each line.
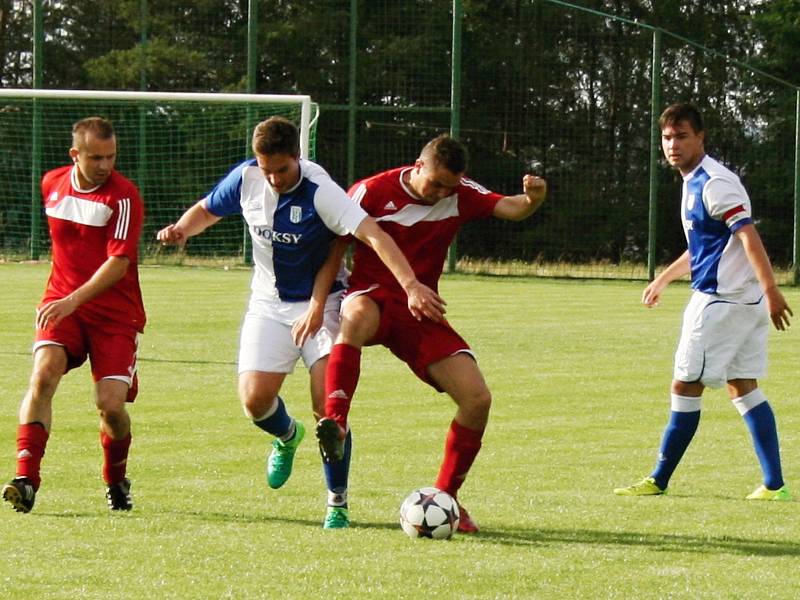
295, 214
736, 215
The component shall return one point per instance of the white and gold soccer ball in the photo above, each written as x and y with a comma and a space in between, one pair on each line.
429, 512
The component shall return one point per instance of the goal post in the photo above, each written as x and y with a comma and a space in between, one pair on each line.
174, 146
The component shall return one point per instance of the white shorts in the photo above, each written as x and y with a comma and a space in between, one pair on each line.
722, 340
266, 341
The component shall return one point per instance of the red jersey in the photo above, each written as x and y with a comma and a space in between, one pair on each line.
423, 232
87, 227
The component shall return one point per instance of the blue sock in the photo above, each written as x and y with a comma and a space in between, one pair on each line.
336, 474
277, 422
677, 435
761, 422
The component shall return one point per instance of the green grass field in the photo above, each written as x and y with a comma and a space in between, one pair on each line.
580, 374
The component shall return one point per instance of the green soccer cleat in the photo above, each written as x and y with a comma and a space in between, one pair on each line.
645, 487
281, 459
782, 494
337, 517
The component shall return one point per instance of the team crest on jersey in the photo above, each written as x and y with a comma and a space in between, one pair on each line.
295, 214
690, 201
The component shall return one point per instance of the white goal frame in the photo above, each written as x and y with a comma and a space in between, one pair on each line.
306, 118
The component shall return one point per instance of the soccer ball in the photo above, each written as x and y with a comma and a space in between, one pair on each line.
430, 513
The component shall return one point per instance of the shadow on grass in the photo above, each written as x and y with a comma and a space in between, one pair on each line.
653, 541
522, 537
535, 537
278, 519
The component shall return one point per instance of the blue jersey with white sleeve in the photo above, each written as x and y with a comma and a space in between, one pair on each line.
292, 232
714, 206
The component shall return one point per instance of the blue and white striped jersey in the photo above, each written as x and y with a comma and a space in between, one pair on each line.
291, 232
714, 206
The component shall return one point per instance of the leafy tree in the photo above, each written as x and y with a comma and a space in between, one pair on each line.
559, 91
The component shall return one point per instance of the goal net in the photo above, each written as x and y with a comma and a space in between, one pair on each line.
174, 146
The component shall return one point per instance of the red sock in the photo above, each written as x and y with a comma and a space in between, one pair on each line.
115, 457
460, 449
31, 441
341, 379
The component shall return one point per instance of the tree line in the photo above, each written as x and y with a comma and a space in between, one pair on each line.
544, 87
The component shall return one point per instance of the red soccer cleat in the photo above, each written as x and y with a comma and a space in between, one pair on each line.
465, 523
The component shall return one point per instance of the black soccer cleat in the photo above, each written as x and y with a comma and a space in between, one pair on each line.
331, 440
119, 495
20, 493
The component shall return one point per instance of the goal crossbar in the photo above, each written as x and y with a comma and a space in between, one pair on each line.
303, 100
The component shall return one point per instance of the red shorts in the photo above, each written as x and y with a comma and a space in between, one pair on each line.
419, 344
111, 348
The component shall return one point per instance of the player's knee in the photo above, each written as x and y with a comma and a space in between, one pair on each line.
359, 323
684, 388
256, 407
112, 413
478, 402
741, 387
355, 331
484, 400
44, 380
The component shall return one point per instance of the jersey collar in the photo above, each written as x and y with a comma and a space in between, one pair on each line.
73, 179
407, 188
300, 177
693, 172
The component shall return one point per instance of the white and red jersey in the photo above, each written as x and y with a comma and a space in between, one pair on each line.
423, 232
86, 228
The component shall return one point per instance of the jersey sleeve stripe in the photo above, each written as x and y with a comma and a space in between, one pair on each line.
123, 219
474, 185
736, 225
733, 211
359, 194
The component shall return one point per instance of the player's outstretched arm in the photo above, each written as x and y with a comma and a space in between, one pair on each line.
777, 306
310, 322
522, 206
422, 300
678, 268
195, 220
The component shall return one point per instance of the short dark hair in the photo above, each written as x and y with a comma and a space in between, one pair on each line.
276, 135
682, 111
100, 127
446, 152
